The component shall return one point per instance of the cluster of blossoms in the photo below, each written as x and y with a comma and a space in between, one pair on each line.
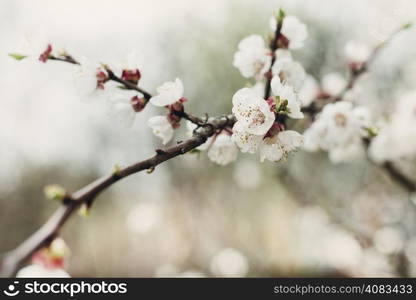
339, 129
259, 125
219, 147
48, 262
256, 127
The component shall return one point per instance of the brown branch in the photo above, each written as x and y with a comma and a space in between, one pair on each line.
127, 84
14, 259
398, 176
274, 45
111, 75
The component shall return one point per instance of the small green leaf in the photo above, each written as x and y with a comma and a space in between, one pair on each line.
116, 170
372, 132
194, 151
17, 56
407, 25
84, 211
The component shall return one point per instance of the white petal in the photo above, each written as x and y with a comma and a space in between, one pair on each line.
161, 128
333, 84
309, 91
168, 93
247, 142
252, 111
270, 149
223, 151
290, 72
290, 140
295, 31
252, 59
357, 52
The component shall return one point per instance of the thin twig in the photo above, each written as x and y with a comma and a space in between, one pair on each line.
111, 75
274, 45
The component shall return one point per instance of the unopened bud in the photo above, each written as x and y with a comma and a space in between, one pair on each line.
54, 192
132, 76
84, 210
372, 132
58, 248
138, 103
102, 78
46, 54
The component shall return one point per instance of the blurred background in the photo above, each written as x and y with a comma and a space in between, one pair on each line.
302, 217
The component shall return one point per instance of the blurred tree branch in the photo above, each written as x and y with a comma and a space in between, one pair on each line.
15, 258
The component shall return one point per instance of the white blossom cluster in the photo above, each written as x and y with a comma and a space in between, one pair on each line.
258, 127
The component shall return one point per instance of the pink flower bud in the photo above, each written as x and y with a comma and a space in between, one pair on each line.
53, 256
272, 103
174, 120
102, 78
138, 103
45, 54
132, 76
177, 106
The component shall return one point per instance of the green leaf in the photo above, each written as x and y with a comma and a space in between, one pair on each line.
372, 132
17, 56
194, 151
407, 25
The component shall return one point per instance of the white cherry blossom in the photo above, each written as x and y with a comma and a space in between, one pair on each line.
333, 84
278, 146
168, 93
339, 129
289, 71
356, 52
286, 92
252, 112
32, 44
293, 29
247, 142
161, 128
309, 90
85, 79
253, 58
120, 108
223, 150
